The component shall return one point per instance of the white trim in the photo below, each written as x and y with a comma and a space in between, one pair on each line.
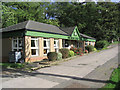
36, 41
13, 46
56, 46
47, 46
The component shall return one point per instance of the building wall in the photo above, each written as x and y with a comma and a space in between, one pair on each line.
6, 48
52, 45
29, 58
27, 48
60, 43
41, 46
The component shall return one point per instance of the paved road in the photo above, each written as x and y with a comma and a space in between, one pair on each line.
91, 70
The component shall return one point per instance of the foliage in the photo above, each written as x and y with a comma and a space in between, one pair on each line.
65, 52
52, 56
71, 53
77, 51
94, 49
16, 12
101, 44
86, 51
59, 56
99, 20
90, 48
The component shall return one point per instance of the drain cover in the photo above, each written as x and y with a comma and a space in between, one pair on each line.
82, 64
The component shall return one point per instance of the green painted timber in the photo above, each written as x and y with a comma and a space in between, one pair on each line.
47, 35
85, 39
91, 40
77, 36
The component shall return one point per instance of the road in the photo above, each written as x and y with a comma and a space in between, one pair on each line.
89, 71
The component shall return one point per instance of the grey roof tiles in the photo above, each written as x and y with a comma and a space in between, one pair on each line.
42, 27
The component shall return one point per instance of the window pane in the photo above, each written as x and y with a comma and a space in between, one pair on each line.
32, 43
33, 51
56, 50
45, 45
20, 43
45, 51
54, 43
15, 49
14, 43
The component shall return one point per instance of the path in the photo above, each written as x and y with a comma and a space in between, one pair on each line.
71, 73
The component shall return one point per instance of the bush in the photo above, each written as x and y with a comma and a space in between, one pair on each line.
90, 48
65, 52
59, 56
71, 53
77, 51
101, 44
52, 56
86, 51
94, 49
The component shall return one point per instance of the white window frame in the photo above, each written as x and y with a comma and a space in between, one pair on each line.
56, 46
13, 46
36, 46
93, 43
47, 46
86, 43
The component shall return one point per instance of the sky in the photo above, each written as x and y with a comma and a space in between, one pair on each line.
115, 0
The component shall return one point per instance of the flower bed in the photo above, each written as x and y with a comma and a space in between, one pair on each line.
77, 51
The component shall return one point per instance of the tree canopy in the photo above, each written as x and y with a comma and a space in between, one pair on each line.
99, 20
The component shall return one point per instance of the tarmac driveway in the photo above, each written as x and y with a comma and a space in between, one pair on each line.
52, 76
81, 66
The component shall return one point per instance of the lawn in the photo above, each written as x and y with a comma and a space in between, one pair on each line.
12, 65
16, 66
114, 79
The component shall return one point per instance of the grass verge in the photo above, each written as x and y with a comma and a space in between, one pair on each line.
114, 79
12, 65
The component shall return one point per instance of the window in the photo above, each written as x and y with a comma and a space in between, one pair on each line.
46, 46
16, 44
90, 43
86, 43
56, 45
75, 33
34, 46
67, 43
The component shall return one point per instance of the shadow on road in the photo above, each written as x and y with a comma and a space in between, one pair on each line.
25, 74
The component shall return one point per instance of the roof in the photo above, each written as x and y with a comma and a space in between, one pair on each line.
42, 27
85, 36
37, 26
68, 30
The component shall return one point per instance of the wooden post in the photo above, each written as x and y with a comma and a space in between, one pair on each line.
52, 45
27, 48
83, 45
41, 46
60, 43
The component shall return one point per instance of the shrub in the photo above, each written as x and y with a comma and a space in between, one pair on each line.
59, 56
52, 56
65, 52
86, 51
71, 53
94, 49
77, 51
90, 48
101, 44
